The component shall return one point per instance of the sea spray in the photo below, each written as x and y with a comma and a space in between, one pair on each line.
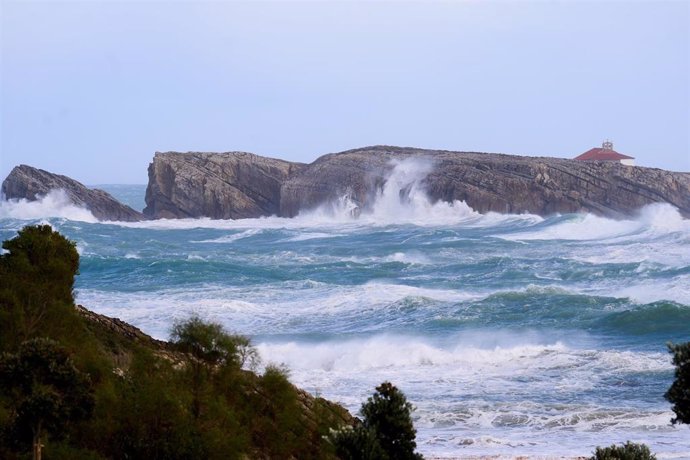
401, 200
55, 204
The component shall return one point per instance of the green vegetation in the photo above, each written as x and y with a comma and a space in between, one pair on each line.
679, 393
87, 387
387, 431
46, 390
628, 451
36, 280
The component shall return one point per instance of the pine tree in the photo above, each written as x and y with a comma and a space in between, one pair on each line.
387, 431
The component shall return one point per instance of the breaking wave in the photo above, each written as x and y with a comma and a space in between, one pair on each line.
54, 204
402, 200
652, 220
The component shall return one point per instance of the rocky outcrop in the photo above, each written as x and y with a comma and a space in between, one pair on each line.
239, 185
26, 182
490, 182
232, 185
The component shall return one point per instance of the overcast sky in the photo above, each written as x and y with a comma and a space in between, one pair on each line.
93, 89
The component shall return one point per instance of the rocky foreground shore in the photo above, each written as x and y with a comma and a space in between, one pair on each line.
236, 185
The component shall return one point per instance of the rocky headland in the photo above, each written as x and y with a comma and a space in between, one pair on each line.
237, 185
29, 183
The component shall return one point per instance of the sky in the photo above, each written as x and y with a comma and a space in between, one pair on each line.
92, 89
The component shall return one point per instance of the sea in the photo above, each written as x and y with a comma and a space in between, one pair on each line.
511, 334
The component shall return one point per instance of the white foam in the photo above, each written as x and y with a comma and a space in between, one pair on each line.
411, 257
676, 289
54, 204
516, 355
272, 307
385, 351
232, 237
459, 388
305, 236
652, 220
401, 201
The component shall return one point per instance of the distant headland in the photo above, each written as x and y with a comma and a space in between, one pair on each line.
236, 185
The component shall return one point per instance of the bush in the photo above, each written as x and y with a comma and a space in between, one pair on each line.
679, 393
46, 390
387, 431
628, 451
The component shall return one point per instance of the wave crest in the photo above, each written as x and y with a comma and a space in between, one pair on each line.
55, 203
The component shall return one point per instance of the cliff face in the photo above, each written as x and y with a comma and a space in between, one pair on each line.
26, 182
491, 182
238, 185
232, 185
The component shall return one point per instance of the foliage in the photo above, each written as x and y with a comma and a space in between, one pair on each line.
627, 451
36, 281
387, 431
276, 400
358, 443
679, 393
212, 349
45, 388
209, 343
131, 398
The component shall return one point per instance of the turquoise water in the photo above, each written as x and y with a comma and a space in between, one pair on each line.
510, 334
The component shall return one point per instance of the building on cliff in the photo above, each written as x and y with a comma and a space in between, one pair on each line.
606, 153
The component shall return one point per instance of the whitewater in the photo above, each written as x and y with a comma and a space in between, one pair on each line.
510, 334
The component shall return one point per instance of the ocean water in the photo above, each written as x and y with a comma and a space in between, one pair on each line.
510, 334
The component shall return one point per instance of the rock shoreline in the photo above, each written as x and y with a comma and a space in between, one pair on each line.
237, 185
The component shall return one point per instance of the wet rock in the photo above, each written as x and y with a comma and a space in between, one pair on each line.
26, 182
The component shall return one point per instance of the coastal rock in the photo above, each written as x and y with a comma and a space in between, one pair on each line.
490, 182
232, 185
26, 182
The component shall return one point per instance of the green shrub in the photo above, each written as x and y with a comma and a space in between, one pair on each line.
45, 390
628, 451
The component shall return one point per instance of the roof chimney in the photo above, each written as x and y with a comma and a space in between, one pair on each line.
607, 145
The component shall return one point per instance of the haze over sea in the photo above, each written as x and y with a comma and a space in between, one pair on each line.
511, 334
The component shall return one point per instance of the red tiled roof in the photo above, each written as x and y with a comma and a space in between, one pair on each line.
599, 153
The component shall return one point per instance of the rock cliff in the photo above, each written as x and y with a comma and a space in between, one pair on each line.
238, 185
491, 182
231, 185
26, 182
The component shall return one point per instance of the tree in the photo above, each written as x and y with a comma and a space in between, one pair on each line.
210, 347
628, 451
36, 284
679, 393
387, 431
45, 388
